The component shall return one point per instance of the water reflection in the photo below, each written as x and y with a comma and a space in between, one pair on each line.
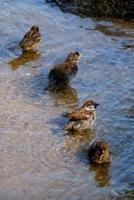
111, 31
62, 97
79, 141
24, 58
65, 95
80, 132
102, 174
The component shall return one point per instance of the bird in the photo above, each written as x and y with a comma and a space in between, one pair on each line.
99, 152
83, 117
31, 40
61, 74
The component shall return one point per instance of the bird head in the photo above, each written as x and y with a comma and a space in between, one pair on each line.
90, 105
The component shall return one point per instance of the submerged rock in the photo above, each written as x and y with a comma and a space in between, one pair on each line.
99, 8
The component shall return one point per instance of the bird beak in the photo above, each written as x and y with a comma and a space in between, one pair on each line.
96, 104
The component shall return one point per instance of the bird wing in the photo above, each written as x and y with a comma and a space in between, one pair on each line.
29, 38
25, 38
60, 65
65, 65
58, 71
79, 114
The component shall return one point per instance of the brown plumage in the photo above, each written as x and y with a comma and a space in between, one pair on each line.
99, 152
61, 74
31, 40
82, 118
79, 114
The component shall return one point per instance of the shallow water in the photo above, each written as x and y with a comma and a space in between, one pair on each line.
38, 161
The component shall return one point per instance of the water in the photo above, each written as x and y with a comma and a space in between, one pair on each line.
38, 161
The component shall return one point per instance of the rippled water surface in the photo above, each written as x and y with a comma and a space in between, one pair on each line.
37, 160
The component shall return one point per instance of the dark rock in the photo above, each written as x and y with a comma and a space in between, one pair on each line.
99, 8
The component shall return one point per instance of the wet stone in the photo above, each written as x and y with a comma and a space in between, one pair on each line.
96, 8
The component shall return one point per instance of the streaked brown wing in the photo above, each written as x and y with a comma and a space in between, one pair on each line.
60, 66
69, 114
30, 38
25, 38
79, 114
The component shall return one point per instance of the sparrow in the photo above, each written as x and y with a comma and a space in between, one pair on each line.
99, 152
61, 74
31, 40
82, 118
